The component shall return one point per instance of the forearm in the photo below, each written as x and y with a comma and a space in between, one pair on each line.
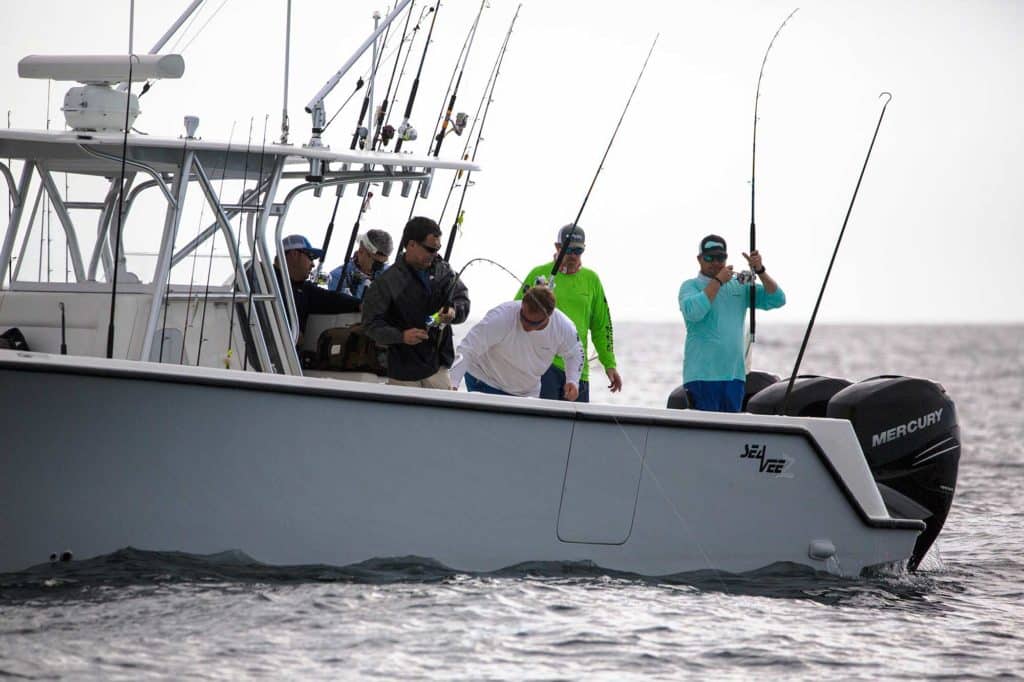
770, 285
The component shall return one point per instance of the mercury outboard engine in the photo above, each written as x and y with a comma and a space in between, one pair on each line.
809, 397
908, 431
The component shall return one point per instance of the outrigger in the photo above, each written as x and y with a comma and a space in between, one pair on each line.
177, 443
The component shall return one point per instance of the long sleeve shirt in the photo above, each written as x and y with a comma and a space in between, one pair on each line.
714, 329
500, 353
403, 298
581, 297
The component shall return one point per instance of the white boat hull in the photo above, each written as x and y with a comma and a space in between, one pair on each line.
97, 455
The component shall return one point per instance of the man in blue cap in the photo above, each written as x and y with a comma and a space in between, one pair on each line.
310, 299
714, 305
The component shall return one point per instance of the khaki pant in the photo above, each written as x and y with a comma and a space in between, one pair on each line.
439, 380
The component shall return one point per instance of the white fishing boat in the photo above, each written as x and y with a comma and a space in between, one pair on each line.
137, 430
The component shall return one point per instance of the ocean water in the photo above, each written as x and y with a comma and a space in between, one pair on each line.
138, 615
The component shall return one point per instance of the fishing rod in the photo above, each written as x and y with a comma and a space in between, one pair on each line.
120, 198
446, 116
405, 131
568, 235
753, 168
463, 52
359, 135
488, 95
382, 109
363, 207
388, 131
213, 244
434, 322
835, 251
361, 132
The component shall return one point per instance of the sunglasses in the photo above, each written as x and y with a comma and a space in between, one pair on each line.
429, 249
713, 258
532, 324
574, 251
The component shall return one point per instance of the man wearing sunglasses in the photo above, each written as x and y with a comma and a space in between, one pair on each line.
369, 260
714, 306
310, 299
398, 308
508, 351
581, 297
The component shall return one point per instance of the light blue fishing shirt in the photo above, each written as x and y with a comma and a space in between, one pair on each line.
714, 329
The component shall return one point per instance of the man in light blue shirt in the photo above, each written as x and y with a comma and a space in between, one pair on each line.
714, 305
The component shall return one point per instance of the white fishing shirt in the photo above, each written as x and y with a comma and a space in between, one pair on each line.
500, 353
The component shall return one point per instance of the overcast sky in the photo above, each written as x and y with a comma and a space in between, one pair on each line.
934, 236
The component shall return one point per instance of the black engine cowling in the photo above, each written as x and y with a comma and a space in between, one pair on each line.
809, 397
908, 431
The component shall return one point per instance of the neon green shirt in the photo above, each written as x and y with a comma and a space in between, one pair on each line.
581, 297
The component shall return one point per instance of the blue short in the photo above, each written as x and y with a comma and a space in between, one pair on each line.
717, 396
552, 386
474, 385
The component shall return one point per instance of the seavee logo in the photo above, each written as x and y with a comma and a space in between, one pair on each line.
922, 422
759, 451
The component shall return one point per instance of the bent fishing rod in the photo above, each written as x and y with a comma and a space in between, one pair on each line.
835, 252
487, 95
753, 170
568, 235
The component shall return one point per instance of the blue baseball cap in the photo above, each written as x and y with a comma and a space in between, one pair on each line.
296, 242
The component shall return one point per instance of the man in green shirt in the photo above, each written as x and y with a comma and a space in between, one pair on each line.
580, 296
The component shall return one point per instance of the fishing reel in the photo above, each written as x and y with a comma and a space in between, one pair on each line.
386, 135
745, 277
406, 132
461, 119
362, 132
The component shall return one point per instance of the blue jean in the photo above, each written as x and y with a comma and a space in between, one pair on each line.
474, 385
552, 386
717, 396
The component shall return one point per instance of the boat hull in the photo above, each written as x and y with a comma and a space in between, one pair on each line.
99, 455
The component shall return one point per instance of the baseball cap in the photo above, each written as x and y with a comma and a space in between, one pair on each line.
578, 236
712, 245
296, 242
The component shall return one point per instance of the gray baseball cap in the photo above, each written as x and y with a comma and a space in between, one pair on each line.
578, 236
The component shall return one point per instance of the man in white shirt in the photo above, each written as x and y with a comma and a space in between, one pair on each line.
507, 352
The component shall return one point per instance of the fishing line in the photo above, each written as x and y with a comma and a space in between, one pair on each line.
488, 94
751, 333
439, 135
401, 74
205, 24
243, 200
255, 235
361, 81
403, 129
675, 510
835, 252
179, 208
120, 208
568, 235
463, 52
379, 114
213, 244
